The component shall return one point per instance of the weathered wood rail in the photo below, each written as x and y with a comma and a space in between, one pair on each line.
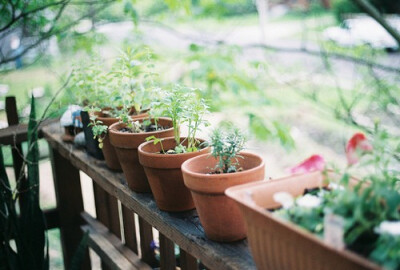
115, 219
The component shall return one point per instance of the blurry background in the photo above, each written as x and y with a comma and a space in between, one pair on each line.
300, 76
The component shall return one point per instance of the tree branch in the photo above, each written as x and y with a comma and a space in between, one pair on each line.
311, 52
51, 33
26, 13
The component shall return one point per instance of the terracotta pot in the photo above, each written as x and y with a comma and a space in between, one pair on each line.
126, 146
219, 215
109, 152
278, 244
165, 176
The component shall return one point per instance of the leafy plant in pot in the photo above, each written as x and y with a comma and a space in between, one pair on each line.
341, 217
126, 136
207, 178
162, 159
86, 86
130, 85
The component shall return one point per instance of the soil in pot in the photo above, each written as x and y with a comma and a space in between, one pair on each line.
163, 170
126, 145
92, 145
219, 215
109, 152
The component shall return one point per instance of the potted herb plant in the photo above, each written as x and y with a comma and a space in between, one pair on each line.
162, 159
86, 88
130, 86
207, 178
126, 136
326, 220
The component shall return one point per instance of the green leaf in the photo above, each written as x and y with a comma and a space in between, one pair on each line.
32, 219
79, 255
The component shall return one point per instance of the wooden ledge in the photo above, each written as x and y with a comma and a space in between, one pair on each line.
17, 134
183, 228
110, 249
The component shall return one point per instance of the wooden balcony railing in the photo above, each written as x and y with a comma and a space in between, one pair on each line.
113, 234
116, 206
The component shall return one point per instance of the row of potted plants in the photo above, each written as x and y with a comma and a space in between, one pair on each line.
138, 129
150, 150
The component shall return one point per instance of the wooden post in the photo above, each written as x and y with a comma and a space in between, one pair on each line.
107, 212
70, 205
113, 210
101, 204
146, 237
129, 229
16, 150
167, 253
187, 261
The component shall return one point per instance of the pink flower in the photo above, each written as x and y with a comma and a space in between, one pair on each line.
356, 147
313, 163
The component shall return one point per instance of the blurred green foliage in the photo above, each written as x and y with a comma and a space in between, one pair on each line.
343, 7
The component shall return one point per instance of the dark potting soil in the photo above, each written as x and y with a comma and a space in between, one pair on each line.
313, 191
172, 151
147, 128
221, 172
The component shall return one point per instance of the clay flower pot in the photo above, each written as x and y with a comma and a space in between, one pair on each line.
279, 244
109, 153
219, 215
165, 176
126, 146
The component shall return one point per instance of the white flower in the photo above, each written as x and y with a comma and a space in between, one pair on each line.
389, 227
284, 198
334, 186
308, 201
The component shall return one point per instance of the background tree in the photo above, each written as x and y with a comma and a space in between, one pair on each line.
25, 24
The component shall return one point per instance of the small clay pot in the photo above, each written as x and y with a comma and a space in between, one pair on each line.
219, 215
165, 176
126, 146
109, 153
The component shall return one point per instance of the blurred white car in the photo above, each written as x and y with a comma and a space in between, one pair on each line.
362, 30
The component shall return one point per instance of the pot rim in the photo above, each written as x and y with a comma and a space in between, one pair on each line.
156, 155
186, 170
112, 128
133, 116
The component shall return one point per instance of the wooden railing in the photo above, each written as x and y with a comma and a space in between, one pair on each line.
113, 234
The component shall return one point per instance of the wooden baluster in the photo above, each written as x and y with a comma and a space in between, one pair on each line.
113, 210
146, 237
101, 203
129, 229
187, 261
70, 205
167, 253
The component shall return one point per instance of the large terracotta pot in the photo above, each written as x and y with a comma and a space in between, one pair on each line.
109, 153
165, 176
278, 244
219, 215
126, 146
